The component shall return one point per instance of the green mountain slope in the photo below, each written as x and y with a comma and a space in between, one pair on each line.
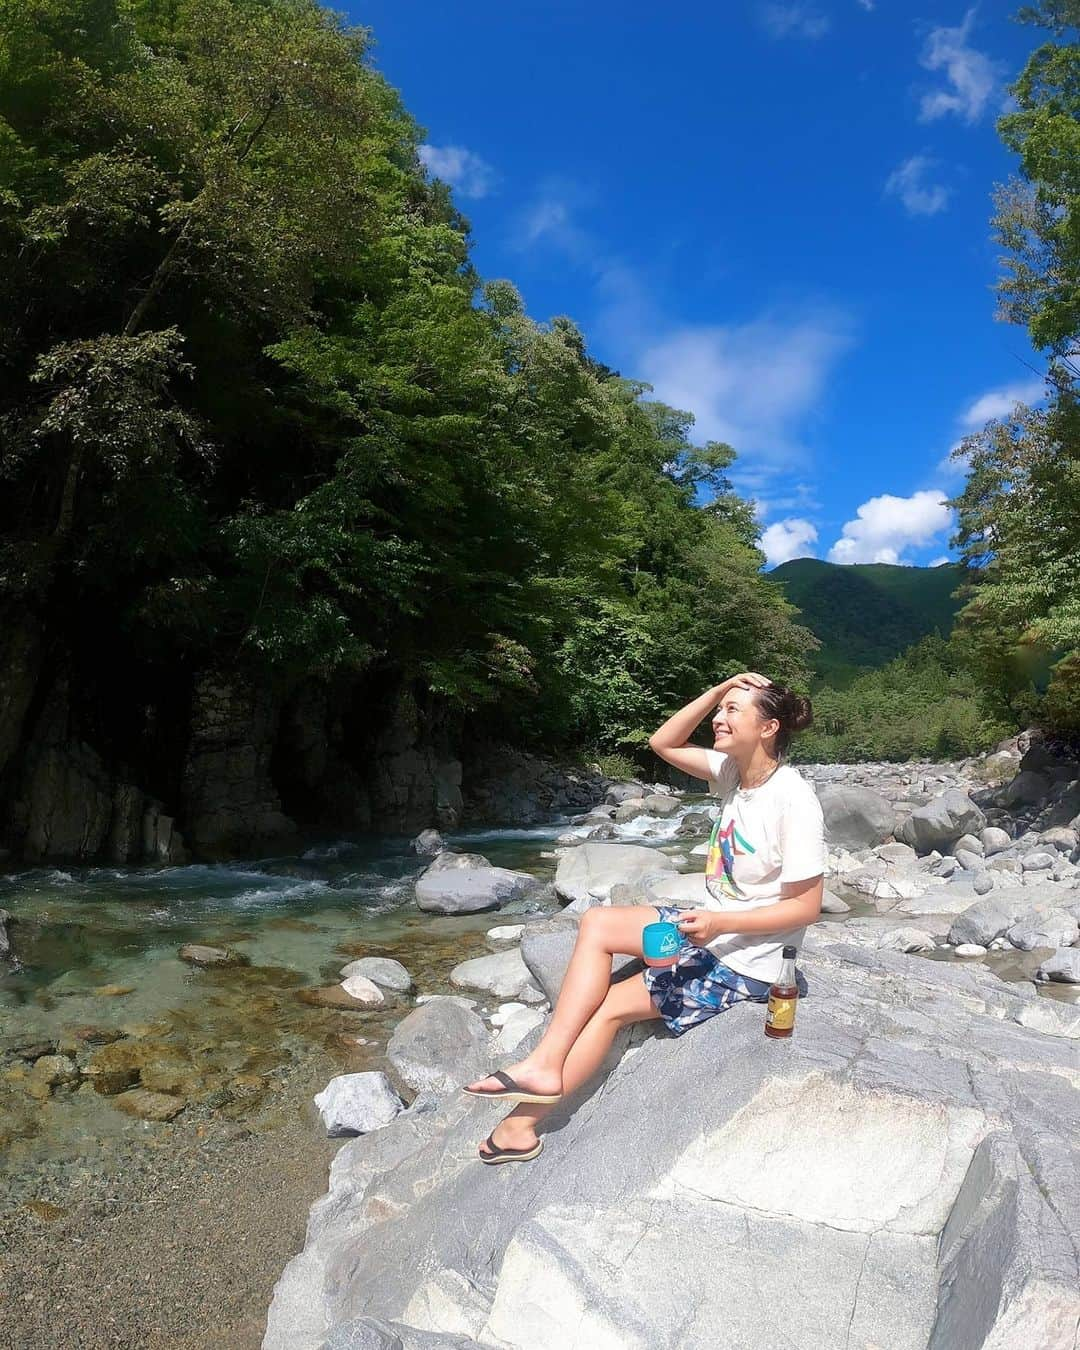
864, 614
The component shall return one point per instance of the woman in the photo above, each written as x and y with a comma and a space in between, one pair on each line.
763, 886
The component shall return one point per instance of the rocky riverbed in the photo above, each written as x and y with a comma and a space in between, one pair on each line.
326, 987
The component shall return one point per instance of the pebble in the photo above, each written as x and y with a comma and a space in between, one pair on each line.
969, 949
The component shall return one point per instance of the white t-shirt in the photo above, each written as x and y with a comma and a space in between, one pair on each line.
763, 836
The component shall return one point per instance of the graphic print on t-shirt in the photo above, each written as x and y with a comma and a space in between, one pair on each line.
724, 843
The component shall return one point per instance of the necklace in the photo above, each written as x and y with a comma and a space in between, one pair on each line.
749, 787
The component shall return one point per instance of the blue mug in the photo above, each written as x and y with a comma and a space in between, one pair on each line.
661, 944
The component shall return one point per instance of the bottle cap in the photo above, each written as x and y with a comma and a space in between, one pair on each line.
790, 952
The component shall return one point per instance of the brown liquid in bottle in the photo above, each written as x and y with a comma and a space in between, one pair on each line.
783, 997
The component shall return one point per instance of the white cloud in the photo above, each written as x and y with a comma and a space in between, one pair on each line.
939, 562
751, 384
868, 5
786, 539
465, 171
800, 497
971, 76
994, 403
885, 526
794, 20
1000, 402
919, 197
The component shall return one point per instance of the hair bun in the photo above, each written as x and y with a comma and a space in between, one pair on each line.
802, 714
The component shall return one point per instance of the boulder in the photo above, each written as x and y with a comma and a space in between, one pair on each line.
906, 940
989, 918
1051, 928
380, 970
1027, 789
896, 853
546, 948
428, 842
832, 904
1063, 967
147, 1105
470, 890
629, 810
449, 859
657, 804
899, 1173
855, 817
356, 1103
970, 862
939, 823
516, 1028
440, 1046
589, 872
504, 974
618, 793
994, 840
970, 844
1039, 860
1061, 837
982, 883
366, 992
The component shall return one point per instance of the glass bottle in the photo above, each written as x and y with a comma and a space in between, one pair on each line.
783, 995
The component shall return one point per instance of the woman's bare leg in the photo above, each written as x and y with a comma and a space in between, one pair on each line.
626, 1002
602, 933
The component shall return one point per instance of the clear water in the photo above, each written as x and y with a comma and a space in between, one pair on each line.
98, 949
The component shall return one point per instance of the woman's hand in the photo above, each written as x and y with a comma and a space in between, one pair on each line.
700, 926
749, 679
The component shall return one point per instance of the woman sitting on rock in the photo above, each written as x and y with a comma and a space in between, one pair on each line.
763, 886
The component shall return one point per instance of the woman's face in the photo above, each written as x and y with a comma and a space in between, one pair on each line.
737, 724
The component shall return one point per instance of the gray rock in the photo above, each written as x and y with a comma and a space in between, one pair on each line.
896, 853
380, 970
1063, 967
470, 890
366, 992
439, 1046
941, 822
832, 904
1007, 865
504, 974
589, 872
516, 1028
906, 940
1061, 837
856, 817
448, 859
660, 805
1051, 928
989, 918
970, 843
994, 840
1039, 861
982, 883
364, 1333
970, 949
356, 1103
546, 948
428, 843
1027, 788
900, 1173
618, 793
629, 810
970, 862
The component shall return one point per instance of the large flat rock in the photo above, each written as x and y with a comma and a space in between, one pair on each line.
903, 1173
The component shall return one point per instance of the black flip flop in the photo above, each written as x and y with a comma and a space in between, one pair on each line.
513, 1092
502, 1155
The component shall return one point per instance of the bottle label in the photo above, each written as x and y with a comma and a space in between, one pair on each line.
781, 1014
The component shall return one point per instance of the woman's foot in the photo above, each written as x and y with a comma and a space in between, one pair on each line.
511, 1133
528, 1076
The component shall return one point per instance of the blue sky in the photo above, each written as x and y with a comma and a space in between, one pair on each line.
775, 213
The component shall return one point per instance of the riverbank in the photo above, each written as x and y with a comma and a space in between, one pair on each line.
178, 1247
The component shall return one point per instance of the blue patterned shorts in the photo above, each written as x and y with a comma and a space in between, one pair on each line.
698, 985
